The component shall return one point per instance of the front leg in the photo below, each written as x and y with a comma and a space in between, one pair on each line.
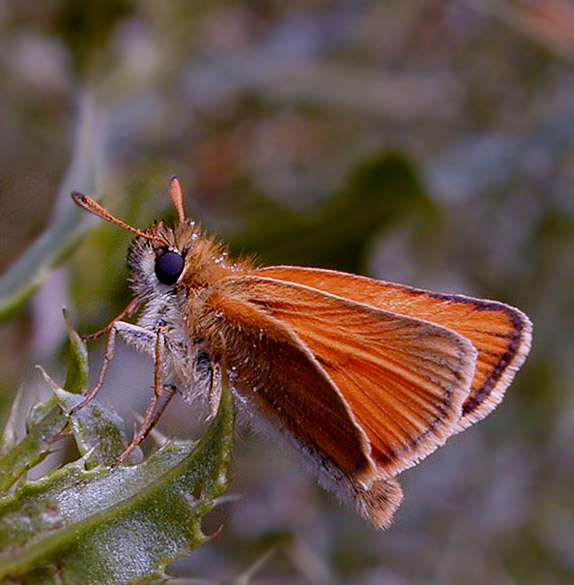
142, 339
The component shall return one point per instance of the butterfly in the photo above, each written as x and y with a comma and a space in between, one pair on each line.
364, 377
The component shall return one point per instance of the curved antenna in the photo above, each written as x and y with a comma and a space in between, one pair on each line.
176, 193
94, 207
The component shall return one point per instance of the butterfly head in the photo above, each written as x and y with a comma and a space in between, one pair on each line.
163, 259
166, 260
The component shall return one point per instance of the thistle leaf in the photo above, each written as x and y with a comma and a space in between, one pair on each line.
115, 524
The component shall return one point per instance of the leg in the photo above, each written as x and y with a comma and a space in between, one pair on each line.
108, 355
214, 393
143, 339
149, 421
162, 395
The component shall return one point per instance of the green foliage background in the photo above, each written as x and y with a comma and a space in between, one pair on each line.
430, 143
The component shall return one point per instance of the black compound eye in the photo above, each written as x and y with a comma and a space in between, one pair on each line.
169, 266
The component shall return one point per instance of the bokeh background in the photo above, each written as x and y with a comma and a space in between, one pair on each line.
430, 143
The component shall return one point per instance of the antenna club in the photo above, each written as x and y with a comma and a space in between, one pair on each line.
176, 193
80, 198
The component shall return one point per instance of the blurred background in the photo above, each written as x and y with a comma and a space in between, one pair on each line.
429, 143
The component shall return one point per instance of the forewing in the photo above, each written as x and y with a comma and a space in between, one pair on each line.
269, 365
403, 379
500, 333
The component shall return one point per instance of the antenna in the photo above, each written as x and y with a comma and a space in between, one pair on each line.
94, 207
176, 193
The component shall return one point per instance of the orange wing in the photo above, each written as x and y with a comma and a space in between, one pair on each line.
500, 333
269, 365
300, 350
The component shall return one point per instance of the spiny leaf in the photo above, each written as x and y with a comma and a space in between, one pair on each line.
34, 447
98, 432
77, 378
9, 436
115, 524
89, 522
44, 422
